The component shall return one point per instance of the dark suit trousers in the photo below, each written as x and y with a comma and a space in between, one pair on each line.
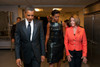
33, 63
76, 59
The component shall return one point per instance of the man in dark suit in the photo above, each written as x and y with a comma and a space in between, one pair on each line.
29, 39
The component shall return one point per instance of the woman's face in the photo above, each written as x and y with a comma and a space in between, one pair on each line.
73, 22
56, 17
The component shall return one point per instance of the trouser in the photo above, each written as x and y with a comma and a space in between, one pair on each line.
33, 63
76, 59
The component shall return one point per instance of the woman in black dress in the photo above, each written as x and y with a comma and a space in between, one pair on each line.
54, 40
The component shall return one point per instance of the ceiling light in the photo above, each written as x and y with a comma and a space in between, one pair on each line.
38, 9
57, 9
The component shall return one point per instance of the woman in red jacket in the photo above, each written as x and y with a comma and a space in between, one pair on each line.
75, 43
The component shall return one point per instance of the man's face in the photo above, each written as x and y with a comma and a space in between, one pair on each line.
29, 15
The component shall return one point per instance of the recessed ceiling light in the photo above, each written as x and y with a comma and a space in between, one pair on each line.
57, 9
38, 9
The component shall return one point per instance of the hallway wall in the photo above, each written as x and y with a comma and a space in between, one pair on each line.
13, 9
92, 26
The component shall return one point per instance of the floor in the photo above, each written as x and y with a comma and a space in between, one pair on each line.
7, 59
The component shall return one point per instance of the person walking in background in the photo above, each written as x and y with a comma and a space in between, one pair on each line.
67, 23
13, 29
54, 40
75, 43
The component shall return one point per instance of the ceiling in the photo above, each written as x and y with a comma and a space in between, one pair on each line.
47, 2
68, 6
65, 10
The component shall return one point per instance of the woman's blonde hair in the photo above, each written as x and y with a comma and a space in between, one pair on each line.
76, 19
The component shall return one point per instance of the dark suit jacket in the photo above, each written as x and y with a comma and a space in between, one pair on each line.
23, 43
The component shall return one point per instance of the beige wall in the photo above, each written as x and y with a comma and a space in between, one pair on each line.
63, 16
81, 16
20, 12
13, 9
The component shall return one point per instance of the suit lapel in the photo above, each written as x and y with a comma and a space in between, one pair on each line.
34, 31
34, 28
24, 28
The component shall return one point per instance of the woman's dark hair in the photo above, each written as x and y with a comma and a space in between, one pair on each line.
67, 22
55, 12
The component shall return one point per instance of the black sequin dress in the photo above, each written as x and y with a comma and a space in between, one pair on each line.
55, 43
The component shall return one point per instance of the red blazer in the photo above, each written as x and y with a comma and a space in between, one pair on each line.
76, 42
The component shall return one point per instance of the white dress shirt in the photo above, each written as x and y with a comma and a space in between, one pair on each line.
32, 27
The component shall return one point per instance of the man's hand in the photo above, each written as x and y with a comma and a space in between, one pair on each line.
84, 59
12, 40
42, 58
19, 63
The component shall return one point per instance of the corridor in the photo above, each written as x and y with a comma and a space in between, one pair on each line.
7, 59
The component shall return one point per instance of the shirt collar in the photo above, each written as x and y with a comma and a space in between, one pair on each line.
26, 21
